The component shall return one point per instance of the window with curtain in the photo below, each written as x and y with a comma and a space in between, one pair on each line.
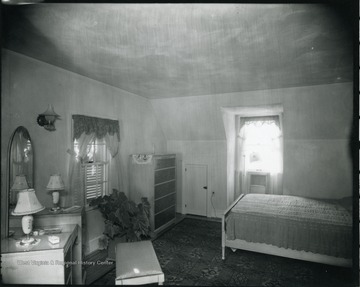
261, 146
259, 149
94, 169
94, 161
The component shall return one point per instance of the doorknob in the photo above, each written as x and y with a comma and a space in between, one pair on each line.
204, 187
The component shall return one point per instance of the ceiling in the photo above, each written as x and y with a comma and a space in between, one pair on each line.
175, 50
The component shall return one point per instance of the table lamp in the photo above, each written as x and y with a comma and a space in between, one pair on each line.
20, 183
27, 204
55, 185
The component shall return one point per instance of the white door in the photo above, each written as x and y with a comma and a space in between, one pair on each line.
196, 189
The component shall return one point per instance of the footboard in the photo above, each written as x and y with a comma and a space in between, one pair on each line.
223, 224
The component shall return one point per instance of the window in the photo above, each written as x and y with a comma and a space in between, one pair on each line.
94, 162
94, 169
261, 145
259, 152
235, 167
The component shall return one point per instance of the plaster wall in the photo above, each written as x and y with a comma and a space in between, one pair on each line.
213, 155
30, 85
316, 124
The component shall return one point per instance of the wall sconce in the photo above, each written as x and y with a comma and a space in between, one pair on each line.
47, 119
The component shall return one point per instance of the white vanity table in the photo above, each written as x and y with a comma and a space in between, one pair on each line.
21, 162
41, 263
66, 221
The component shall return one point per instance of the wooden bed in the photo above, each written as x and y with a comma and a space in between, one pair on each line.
338, 251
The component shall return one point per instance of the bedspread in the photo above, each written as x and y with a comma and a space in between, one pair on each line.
292, 222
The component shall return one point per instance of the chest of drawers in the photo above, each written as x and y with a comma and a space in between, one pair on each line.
156, 180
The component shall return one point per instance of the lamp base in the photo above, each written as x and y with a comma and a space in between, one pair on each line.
28, 244
55, 209
27, 225
27, 240
56, 197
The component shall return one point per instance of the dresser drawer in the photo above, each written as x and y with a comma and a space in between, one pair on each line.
164, 217
165, 189
164, 162
164, 202
164, 175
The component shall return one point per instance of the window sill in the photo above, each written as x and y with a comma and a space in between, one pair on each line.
90, 208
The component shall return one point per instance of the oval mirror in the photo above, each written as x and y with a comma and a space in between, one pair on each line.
21, 164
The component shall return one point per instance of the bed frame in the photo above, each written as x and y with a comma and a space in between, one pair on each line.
274, 250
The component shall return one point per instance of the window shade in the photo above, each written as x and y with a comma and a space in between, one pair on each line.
94, 175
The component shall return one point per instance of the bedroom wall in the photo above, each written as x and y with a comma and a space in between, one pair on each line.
317, 124
29, 85
211, 153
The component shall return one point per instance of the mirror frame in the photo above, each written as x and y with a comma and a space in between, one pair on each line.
9, 179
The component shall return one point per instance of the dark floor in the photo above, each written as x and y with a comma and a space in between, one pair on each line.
190, 255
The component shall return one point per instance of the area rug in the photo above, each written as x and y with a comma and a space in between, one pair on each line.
190, 255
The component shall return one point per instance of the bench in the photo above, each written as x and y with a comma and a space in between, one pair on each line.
137, 264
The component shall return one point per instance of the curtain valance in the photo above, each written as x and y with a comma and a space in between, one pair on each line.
99, 126
260, 120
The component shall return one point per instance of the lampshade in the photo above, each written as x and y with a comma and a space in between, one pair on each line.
27, 203
20, 183
55, 182
50, 114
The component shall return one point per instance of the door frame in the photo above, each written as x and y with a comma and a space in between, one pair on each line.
184, 192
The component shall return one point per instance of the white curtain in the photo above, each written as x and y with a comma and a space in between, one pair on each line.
76, 194
239, 160
268, 156
115, 173
277, 175
85, 130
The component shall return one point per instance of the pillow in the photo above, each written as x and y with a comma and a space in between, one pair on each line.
347, 203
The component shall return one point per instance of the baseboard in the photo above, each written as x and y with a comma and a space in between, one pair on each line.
203, 217
218, 217
217, 214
